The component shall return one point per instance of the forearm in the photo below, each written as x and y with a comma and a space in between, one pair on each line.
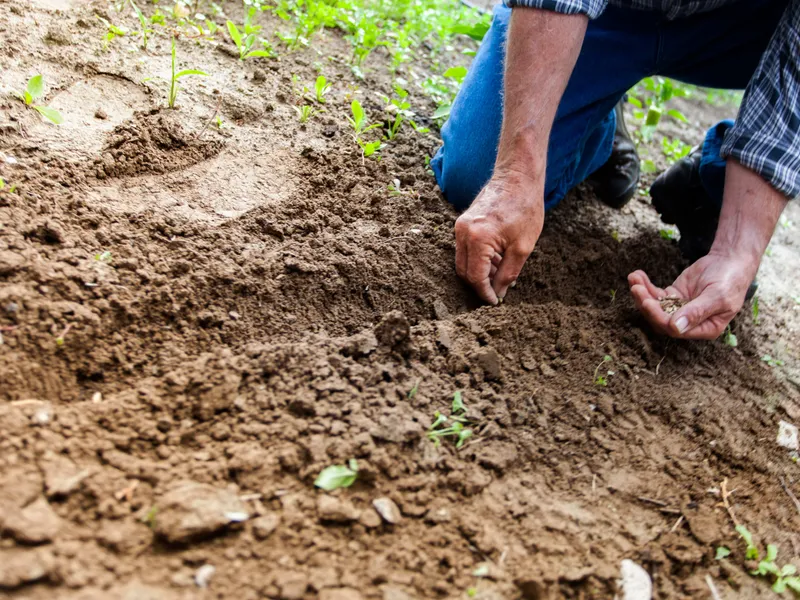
541, 52
751, 208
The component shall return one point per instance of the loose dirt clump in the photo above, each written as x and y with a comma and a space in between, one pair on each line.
198, 316
152, 142
671, 304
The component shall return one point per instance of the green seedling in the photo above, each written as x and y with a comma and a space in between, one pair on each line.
602, 379
6, 188
722, 552
400, 107
359, 120
729, 338
369, 148
772, 361
149, 517
245, 42
754, 309
613, 294
674, 150
104, 256
457, 74
321, 88
146, 31
112, 31
751, 552
158, 18
785, 577
305, 112
412, 393
439, 428
668, 234
173, 86
615, 235
35, 90
338, 476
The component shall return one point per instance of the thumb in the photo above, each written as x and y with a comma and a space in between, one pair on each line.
507, 272
695, 313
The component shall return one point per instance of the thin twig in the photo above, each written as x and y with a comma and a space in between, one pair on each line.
652, 501
659, 364
790, 494
714, 592
724, 494
211, 118
677, 524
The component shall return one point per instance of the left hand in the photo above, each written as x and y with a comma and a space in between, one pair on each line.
714, 288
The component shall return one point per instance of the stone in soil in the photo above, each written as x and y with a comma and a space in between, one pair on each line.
336, 510
264, 525
340, 594
35, 524
387, 509
18, 567
193, 510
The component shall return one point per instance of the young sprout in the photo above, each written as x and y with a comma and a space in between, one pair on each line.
321, 88
458, 404
359, 121
146, 31
8, 189
305, 112
173, 87
338, 476
112, 31
613, 294
245, 43
458, 429
602, 379
722, 552
771, 361
730, 338
412, 392
35, 90
668, 234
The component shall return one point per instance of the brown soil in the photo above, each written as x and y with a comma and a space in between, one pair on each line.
266, 310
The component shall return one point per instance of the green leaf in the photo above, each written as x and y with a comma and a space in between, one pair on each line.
442, 112
653, 116
234, 33
476, 32
458, 403
793, 583
50, 114
457, 73
648, 166
186, 72
788, 570
635, 101
27, 99
358, 113
35, 88
335, 477
722, 552
676, 114
263, 53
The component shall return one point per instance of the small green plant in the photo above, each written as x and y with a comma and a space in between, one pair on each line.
112, 31
722, 552
173, 86
602, 379
674, 150
657, 91
338, 476
6, 188
305, 112
359, 120
245, 42
321, 88
772, 361
35, 90
440, 428
149, 517
104, 256
668, 234
412, 393
729, 338
613, 294
754, 309
146, 31
457, 75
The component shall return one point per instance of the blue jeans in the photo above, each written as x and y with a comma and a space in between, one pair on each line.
720, 49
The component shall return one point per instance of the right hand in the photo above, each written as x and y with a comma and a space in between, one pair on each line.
497, 233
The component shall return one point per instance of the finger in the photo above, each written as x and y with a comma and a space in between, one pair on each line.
640, 278
492, 272
696, 314
508, 271
479, 264
650, 308
461, 258
497, 259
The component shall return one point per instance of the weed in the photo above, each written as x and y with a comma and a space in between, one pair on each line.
338, 476
439, 428
173, 86
722, 552
321, 88
35, 90
146, 31
602, 379
754, 309
771, 361
245, 42
6, 188
305, 112
729, 338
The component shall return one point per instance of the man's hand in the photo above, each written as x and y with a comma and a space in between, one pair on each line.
497, 233
715, 286
495, 236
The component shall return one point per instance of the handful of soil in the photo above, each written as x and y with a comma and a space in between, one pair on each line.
671, 303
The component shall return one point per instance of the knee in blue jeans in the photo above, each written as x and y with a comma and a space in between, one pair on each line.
459, 176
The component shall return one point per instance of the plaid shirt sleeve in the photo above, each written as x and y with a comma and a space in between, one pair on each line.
591, 8
766, 136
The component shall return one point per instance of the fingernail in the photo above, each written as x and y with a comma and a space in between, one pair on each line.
682, 324
514, 283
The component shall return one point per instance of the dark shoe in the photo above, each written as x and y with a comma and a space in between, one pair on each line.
680, 198
615, 182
